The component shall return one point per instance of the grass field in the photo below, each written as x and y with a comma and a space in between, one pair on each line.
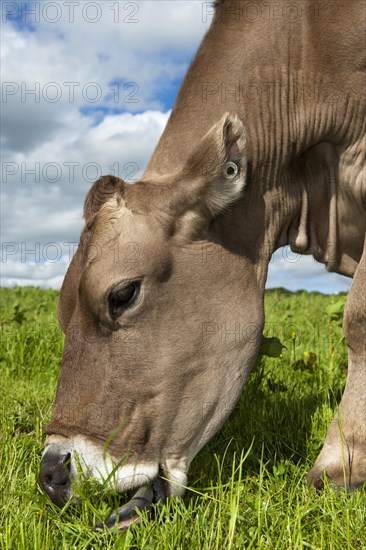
246, 487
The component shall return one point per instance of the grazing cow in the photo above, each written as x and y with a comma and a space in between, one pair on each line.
265, 147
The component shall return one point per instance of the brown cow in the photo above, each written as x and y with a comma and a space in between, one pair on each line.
144, 377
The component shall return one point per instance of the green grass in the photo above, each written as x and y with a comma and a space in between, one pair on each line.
247, 486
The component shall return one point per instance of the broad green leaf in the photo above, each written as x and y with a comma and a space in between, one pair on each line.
272, 347
335, 310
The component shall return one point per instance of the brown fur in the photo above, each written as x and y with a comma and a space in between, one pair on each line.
170, 370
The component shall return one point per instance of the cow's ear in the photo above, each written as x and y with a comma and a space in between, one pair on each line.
69, 289
103, 189
217, 167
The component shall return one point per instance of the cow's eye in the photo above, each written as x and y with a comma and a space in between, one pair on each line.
231, 170
122, 297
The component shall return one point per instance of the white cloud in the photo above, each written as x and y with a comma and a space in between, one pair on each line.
74, 63
294, 271
51, 152
47, 275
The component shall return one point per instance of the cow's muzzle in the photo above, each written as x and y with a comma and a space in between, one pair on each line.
55, 481
54, 477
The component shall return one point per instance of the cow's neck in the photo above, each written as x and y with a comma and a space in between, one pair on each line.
290, 104
284, 197
291, 84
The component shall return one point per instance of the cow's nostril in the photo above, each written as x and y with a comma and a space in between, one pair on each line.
54, 477
67, 461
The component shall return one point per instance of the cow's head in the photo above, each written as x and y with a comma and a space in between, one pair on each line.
162, 323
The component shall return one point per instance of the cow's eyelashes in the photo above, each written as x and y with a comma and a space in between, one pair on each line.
122, 297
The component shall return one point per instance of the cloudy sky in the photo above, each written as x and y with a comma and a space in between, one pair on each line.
87, 88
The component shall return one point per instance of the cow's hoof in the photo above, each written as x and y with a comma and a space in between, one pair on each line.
318, 484
348, 476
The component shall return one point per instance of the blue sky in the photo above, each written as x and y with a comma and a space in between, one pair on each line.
88, 90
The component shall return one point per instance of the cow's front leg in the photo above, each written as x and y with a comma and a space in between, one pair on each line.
343, 457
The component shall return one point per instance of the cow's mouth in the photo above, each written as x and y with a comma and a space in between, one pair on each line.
145, 483
141, 500
55, 480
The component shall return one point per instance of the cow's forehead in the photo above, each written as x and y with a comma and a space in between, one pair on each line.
124, 243
112, 224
